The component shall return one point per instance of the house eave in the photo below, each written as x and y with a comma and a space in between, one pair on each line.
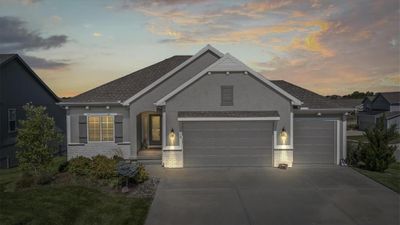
90, 103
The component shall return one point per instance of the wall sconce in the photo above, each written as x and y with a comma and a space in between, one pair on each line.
284, 136
172, 137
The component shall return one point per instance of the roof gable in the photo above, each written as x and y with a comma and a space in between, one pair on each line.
228, 63
6, 58
390, 97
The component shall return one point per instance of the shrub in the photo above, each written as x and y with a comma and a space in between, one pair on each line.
79, 166
353, 153
56, 165
44, 178
37, 139
25, 181
141, 175
377, 154
103, 167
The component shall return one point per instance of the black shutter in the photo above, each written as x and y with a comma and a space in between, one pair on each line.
118, 122
82, 129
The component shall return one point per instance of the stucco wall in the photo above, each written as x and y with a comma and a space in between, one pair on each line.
249, 94
146, 102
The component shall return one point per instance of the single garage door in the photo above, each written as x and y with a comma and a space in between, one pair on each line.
314, 141
227, 143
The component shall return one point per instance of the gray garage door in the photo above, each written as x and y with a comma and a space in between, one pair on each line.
314, 141
233, 143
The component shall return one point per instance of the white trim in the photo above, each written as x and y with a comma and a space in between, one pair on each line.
100, 114
344, 139
164, 130
176, 69
68, 128
337, 142
289, 146
227, 118
216, 66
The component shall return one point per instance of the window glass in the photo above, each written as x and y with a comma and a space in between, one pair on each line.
101, 128
107, 128
94, 128
12, 120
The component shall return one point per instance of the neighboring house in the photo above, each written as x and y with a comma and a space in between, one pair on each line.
385, 103
20, 85
354, 103
208, 109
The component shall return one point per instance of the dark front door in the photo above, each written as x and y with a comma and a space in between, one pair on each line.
155, 130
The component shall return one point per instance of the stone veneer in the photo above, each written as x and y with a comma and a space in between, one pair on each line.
108, 149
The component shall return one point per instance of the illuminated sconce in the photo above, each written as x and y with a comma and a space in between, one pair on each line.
284, 136
172, 137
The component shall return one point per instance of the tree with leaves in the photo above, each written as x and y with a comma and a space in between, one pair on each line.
377, 153
37, 139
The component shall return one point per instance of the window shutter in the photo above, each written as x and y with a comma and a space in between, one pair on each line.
82, 129
118, 128
227, 95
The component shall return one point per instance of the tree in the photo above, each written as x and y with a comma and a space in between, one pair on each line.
37, 139
377, 154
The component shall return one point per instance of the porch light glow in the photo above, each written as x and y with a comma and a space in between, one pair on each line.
284, 136
171, 137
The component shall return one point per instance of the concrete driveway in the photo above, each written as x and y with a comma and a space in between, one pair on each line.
329, 195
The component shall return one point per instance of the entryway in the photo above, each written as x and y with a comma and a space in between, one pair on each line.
149, 135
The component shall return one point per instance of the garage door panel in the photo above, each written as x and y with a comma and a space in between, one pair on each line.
314, 141
228, 143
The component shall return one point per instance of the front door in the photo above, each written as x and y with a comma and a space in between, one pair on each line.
155, 130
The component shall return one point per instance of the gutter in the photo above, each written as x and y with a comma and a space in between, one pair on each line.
89, 103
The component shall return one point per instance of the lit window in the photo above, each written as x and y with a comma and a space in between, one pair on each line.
12, 120
101, 128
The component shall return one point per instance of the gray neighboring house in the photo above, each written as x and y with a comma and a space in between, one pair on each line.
209, 109
19, 85
385, 103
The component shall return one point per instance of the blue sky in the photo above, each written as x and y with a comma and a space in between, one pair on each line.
331, 47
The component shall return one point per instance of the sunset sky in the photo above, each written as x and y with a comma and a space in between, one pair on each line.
331, 47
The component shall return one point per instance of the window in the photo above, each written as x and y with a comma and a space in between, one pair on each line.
226, 95
12, 120
101, 128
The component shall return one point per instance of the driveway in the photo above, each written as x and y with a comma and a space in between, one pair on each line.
328, 195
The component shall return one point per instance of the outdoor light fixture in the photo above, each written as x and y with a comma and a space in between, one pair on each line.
284, 136
172, 137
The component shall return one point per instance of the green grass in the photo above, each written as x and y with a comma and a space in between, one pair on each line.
8, 178
64, 204
390, 178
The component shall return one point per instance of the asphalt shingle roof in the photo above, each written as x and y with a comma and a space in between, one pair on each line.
391, 97
228, 114
125, 87
348, 102
310, 99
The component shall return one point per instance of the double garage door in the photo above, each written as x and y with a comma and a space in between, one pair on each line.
227, 143
249, 143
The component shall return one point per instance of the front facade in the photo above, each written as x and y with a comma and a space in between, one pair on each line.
208, 109
383, 104
20, 85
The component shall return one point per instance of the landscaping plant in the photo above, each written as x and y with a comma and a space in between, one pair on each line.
37, 139
377, 153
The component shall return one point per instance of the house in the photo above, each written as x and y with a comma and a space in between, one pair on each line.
385, 103
19, 85
356, 104
209, 109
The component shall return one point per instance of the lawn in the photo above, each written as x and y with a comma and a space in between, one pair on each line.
390, 178
66, 204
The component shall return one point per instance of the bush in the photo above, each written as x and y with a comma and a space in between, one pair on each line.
25, 181
80, 166
56, 165
141, 175
103, 167
353, 153
44, 178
